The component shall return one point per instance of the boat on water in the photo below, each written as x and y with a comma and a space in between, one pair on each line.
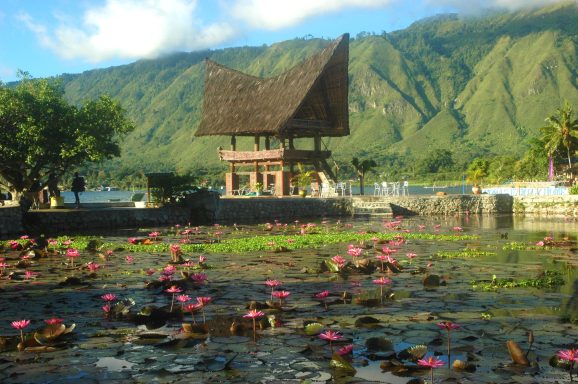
107, 189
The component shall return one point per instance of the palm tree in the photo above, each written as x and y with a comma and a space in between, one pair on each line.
362, 168
561, 131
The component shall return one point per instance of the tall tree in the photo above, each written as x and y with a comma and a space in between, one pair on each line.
361, 168
561, 132
43, 134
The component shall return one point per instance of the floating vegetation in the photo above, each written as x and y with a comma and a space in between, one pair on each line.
260, 242
517, 246
549, 279
464, 253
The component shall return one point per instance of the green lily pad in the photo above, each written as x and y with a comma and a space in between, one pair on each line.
313, 329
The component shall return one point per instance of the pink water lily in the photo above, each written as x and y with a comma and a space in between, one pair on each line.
354, 251
323, 295
54, 321
339, 261
20, 325
330, 336
571, 356
108, 297
154, 235
381, 282
193, 307
72, 253
173, 290
204, 301
281, 295
272, 284
92, 266
448, 326
432, 362
254, 314
346, 350
199, 277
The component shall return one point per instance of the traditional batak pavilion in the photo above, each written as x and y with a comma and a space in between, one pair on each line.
307, 101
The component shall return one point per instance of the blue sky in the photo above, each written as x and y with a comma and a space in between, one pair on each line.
51, 37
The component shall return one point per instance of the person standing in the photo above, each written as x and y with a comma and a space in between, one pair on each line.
77, 187
52, 185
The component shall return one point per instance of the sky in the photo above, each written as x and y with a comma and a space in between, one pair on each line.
51, 37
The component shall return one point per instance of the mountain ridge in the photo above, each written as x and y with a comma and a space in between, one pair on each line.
474, 85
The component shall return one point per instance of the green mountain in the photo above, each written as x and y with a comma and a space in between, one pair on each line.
475, 86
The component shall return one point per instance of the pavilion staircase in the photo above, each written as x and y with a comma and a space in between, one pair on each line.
365, 206
324, 171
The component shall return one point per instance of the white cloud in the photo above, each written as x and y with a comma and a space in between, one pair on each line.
473, 5
131, 29
278, 14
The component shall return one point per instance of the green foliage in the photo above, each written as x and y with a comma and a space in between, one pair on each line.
168, 187
435, 161
561, 133
477, 170
549, 279
43, 134
303, 178
262, 243
465, 253
574, 189
361, 168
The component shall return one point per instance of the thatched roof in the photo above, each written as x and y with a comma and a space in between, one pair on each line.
309, 99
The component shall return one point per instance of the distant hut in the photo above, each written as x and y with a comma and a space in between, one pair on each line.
307, 101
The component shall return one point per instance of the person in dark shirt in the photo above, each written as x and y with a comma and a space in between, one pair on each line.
52, 185
77, 187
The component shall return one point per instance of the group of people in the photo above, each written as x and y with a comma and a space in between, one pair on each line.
78, 186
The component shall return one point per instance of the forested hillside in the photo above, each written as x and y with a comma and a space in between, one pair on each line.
475, 86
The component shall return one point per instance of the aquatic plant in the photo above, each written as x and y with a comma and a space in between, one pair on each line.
259, 243
173, 290
281, 295
193, 307
381, 282
569, 355
72, 254
323, 296
204, 301
183, 299
346, 350
449, 327
548, 279
331, 336
20, 325
464, 253
431, 363
272, 284
254, 315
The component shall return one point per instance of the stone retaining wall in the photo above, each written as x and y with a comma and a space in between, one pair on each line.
546, 205
250, 210
235, 210
59, 220
444, 205
10, 219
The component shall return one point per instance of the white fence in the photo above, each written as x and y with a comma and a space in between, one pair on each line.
551, 190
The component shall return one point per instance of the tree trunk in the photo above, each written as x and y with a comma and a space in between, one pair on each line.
569, 163
361, 182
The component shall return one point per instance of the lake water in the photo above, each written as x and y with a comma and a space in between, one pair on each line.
457, 249
123, 196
